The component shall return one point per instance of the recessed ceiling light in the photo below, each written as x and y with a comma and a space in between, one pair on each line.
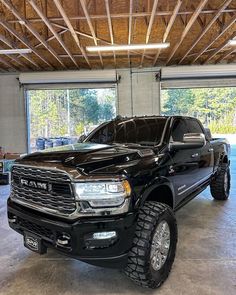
15, 51
127, 47
232, 42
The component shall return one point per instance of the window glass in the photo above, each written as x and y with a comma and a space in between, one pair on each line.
193, 126
135, 130
178, 130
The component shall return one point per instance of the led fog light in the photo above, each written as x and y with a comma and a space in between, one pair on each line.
100, 240
104, 235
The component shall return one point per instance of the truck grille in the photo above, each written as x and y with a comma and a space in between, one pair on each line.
57, 197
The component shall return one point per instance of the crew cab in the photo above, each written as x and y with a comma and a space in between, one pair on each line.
111, 199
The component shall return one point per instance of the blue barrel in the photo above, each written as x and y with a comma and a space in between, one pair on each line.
40, 143
48, 143
65, 141
57, 141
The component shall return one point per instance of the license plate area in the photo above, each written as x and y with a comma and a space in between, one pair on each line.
34, 243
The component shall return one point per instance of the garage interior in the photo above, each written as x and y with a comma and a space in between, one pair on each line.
200, 53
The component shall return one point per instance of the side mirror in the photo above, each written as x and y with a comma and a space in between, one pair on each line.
82, 138
190, 141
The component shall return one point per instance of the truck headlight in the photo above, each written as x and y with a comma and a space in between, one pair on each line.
103, 194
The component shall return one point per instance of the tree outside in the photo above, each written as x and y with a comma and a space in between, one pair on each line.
69, 112
215, 107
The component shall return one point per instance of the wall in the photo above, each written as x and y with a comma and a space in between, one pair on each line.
138, 94
12, 114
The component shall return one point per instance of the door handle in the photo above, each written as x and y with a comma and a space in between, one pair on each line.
195, 155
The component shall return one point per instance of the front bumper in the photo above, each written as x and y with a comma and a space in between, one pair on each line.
108, 254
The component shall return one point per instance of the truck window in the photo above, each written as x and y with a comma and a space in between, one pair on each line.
135, 130
178, 130
193, 126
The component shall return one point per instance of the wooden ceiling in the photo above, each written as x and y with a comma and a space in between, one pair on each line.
58, 31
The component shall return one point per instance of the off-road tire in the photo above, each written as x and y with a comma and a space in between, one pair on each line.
139, 267
217, 186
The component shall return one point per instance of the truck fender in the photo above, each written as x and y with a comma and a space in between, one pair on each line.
155, 184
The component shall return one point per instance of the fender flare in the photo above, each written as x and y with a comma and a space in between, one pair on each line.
156, 183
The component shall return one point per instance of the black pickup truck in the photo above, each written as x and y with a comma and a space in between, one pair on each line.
110, 200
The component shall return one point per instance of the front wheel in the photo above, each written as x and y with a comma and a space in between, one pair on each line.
153, 251
220, 185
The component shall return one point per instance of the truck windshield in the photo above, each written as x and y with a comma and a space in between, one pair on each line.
143, 131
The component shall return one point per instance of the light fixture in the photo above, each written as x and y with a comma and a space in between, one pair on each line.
127, 47
232, 42
15, 51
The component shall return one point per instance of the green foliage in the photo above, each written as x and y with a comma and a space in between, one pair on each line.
66, 112
79, 129
215, 107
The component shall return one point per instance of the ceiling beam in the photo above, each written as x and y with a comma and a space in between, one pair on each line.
12, 45
225, 55
187, 28
27, 24
205, 30
61, 32
232, 59
51, 28
72, 30
8, 64
23, 40
91, 37
15, 59
110, 27
84, 7
226, 27
94, 55
168, 28
219, 48
126, 15
149, 29
130, 27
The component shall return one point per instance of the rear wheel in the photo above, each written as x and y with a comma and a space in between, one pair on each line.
220, 185
153, 251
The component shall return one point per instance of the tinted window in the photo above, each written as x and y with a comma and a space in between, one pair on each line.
136, 130
178, 130
193, 126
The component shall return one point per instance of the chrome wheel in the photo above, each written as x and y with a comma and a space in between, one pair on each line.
226, 182
160, 245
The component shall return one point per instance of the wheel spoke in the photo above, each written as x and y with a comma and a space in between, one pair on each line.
160, 245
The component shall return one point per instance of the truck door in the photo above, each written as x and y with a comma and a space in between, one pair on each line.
184, 171
206, 161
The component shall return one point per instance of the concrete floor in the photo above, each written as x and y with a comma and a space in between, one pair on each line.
205, 261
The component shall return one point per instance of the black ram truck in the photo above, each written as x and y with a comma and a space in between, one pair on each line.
110, 200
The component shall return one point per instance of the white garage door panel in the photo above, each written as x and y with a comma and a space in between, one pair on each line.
198, 76
104, 76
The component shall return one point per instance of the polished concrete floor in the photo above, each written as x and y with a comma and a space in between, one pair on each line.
205, 261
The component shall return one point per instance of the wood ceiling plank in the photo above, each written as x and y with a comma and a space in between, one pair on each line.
28, 25
187, 28
149, 29
219, 48
51, 28
110, 27
206, 29
24, 41
168, 29
84, 7
71, 29
226, 27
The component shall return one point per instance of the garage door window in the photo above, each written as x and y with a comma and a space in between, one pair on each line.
61, 116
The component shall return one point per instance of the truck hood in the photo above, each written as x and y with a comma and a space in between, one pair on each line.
90, 157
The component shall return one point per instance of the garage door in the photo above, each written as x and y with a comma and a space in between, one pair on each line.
198, 77
69, 79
